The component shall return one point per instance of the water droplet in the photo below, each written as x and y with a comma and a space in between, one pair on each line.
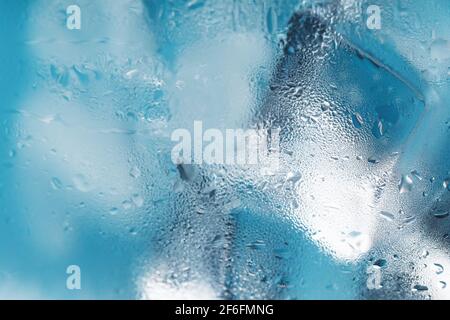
131, 73
81, 184
81, 73
126, 204
373, 160
195, 4
256, 245
378, 129
200, 210
438, 268
56, 183
113, 211
419, 287
133, 231
218, 241
406, 184
281, 253
380, 263
440, 50
387, 215
293, 177
271, 20
440, 213
157, 116
137, 200
233, 204
443, 284
409, 220
135, 172
325, 106
178, 187
187, 171
358, 241
446, 183
416, 175
60, 75
357, 120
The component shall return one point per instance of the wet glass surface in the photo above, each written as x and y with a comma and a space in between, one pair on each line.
356, 209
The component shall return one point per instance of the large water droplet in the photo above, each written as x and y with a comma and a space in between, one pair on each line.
419, 287
439, 268
387, 215
293, 177
440, 50
440, 214
406, 184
